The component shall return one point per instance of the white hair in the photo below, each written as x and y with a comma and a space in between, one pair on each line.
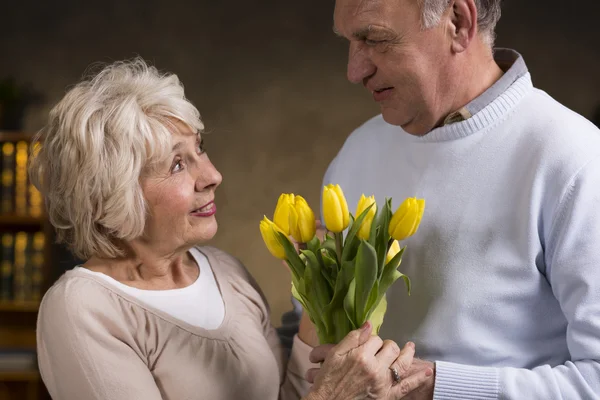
98, 141
488, 14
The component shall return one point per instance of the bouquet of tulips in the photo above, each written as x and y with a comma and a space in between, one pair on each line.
341, 280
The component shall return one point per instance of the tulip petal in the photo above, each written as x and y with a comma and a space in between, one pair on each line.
281, 215
342, 199
332, 210
306, 220
267, 230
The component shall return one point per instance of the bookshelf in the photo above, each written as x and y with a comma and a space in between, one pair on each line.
24, 271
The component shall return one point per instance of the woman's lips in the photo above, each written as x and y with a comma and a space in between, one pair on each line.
205, 211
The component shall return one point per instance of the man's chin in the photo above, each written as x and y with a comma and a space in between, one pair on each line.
392, 118
407, 124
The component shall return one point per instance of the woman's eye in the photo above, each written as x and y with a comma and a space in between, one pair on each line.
177, 166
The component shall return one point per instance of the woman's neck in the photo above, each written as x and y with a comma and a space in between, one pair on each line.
148, 270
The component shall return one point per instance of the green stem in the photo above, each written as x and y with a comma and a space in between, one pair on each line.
338, 246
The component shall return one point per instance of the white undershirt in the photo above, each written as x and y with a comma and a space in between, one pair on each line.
199, 304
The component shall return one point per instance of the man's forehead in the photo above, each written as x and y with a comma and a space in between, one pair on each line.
346, 10
358, 6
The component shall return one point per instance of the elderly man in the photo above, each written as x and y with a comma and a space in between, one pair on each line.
506, 263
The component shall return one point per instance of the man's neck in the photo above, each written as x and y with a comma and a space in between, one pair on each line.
480, 73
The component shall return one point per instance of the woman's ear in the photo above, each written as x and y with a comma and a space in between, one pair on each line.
463, 17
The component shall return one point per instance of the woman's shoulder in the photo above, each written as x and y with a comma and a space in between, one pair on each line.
76, 295
236, 274
226, 263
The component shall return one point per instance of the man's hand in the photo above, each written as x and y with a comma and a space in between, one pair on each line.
424, 391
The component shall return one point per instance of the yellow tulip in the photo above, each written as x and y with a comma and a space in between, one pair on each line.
335, 209
365, 228
268, 231
407, 218
394, 249
302, 221
281, 217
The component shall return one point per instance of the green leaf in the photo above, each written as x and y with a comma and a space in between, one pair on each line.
342, 284
314, 311
320, 293
329, 245
324, 292
330, 264
341, 323
352, 242
390, 272
313, 244
366, 276
375, 227
300, 297
296, 264
382, 242
349, 302
295, 277
376, 316
373, 300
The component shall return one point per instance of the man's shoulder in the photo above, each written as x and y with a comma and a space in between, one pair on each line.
557, 118
554, 137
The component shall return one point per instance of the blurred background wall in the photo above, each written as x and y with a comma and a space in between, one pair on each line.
269, 80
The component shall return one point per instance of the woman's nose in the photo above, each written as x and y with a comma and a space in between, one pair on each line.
209, 177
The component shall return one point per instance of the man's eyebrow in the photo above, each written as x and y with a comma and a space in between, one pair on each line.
362, 32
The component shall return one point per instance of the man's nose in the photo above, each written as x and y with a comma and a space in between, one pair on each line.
359, 64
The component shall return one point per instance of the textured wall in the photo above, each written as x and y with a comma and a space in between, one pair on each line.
269, 80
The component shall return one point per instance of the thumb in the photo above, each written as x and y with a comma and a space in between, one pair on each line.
321, 230
354, 339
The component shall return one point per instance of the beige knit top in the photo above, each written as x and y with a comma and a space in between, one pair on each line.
97, 342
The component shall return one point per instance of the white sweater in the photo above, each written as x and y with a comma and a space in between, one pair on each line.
506, 263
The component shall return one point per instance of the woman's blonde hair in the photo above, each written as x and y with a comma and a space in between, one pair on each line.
99, 139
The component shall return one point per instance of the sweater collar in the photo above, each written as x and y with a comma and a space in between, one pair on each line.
491, 105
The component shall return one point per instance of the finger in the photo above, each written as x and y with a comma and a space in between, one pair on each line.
372, 346
311, 374
319, 353
354, 339
388, 353
321, 230
412, 383
404, 360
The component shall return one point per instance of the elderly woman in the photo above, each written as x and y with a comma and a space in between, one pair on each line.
152, 315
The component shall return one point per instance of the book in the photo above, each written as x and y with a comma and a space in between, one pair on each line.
21, 282
17, 360
37, 264
21, 154
8, 175
6, 267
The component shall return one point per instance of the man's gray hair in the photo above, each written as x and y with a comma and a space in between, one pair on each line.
488, 14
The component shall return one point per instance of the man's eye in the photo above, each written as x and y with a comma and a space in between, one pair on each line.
371, 42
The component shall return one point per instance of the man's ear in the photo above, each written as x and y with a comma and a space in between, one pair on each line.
463, 22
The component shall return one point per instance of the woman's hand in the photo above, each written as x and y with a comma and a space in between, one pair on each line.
359, 368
